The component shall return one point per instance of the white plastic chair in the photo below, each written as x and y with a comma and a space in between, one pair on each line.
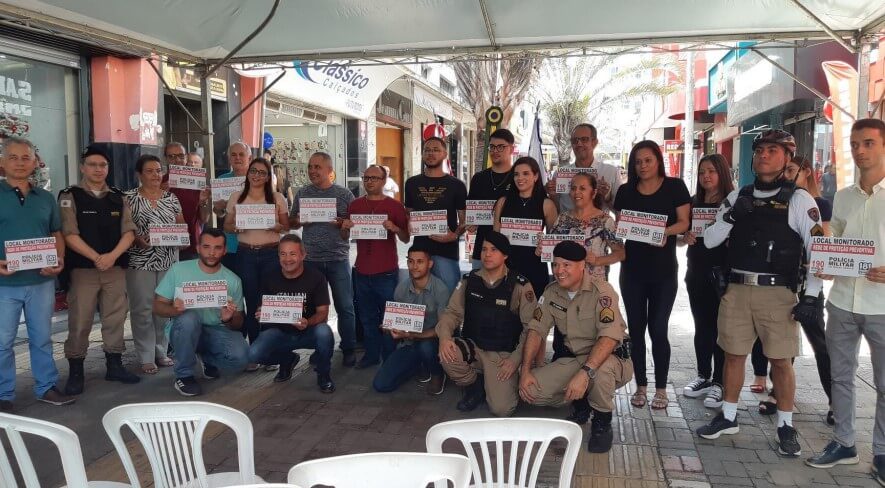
531, 433
172, 436
68, 448
383, 470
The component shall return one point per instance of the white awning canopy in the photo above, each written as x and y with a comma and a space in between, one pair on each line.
208, 30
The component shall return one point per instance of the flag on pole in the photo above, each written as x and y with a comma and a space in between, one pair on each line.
535, 145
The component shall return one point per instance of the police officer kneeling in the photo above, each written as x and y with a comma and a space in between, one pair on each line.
598, 361
494, 304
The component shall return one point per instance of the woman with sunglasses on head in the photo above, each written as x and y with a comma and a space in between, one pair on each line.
702, 283
649, 272
527, 199
258, 248
150, 206
801, 172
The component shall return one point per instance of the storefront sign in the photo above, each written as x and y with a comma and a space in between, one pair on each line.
842, 79
394, 108
27, 254
169, 235
479, 212
368, 226
407, 317
673, 151
318, 210
203, 294
281, 309
840, 256
754, 85
521, 232
549, 241
187, 177
428, 223
641, 227
256, 216
432, 103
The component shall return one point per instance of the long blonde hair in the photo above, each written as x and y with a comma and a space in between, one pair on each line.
811, 182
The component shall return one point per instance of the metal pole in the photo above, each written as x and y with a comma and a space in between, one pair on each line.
257, 97
688, 125
863, 79
208, 133
825, 27
234, 51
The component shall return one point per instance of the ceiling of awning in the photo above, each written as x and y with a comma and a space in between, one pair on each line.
195, 30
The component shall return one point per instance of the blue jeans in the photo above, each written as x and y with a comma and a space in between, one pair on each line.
218, 346
337, 273
252, 265
273, 345
38, 302
372, 294
405, 362
446, 269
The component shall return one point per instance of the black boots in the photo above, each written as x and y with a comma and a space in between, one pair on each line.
600, 432
74, 385
580, 411
116, 371
474, 395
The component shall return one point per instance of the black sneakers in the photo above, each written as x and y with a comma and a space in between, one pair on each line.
210, 372
697, 388
325, 383
474, 395
878, 469
188, 386
788, 441
719, 426
286, 368
832, 455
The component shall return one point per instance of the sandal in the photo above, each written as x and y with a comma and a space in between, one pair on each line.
767, 408
639, 399
757, 388
165, 362
149, 368
660, 400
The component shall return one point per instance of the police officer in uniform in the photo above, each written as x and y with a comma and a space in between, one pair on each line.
98, 230
769, 226
494, 304
597, 353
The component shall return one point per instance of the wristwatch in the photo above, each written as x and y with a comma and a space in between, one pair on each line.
591, 373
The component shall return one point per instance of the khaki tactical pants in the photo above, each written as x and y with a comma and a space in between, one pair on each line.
91, 287
554, 377
502, 396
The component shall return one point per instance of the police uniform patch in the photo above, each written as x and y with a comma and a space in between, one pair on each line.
530, 295
814, 214
607, 315
605, 301
817, 231
66, 203
558, 307
541, 300
538, 313
500, 301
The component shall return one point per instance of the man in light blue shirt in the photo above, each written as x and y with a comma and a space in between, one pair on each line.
214, 333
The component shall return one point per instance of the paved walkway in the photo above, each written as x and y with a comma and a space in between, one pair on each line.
294, 422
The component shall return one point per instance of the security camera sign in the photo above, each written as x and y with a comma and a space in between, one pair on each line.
521, 232
187, 177
281, 309
407, 317
839, 256
641, 227
28, 254
169, 235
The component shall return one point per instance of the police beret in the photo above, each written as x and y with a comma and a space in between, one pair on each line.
570, 251
94, 150
498, 240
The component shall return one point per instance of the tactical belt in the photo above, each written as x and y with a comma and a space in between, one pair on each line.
757, 279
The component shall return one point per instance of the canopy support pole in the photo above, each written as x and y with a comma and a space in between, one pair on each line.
863, 79
257, 97
490, 29
208, 131
234, 51
150, 61
808, 87
825, 27
873, 28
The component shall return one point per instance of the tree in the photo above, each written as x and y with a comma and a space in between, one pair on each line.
575, 90
478, 83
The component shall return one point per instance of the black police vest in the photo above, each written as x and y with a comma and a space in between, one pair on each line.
488, 321
763, 241
99, 221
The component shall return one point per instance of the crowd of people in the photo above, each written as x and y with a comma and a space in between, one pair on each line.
748, 279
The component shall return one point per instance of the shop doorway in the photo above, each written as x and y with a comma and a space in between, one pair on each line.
389, 152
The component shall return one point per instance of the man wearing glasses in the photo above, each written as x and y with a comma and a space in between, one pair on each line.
98, 230
194, 203
491, 183
377, 266
584, 142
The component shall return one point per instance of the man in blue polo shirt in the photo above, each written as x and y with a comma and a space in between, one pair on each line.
239, 155
27, 212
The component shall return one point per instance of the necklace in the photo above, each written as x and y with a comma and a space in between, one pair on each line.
495, 186
525, 201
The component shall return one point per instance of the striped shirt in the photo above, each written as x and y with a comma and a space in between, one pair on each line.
153, 258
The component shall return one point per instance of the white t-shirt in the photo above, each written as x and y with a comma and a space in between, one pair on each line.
390, 188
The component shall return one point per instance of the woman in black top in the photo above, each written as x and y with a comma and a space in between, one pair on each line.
527, 199
714, 184
801, 172
649, 273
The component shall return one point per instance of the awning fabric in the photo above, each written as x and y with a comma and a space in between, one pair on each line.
210, 29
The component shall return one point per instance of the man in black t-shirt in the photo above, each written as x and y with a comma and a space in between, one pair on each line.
436, 190
277, 341
491, 183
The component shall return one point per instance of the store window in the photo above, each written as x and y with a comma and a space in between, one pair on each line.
33, 106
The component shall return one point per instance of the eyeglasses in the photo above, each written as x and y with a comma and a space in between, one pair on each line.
179, 157
498, 147
257, 172
372, 178
582, 140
